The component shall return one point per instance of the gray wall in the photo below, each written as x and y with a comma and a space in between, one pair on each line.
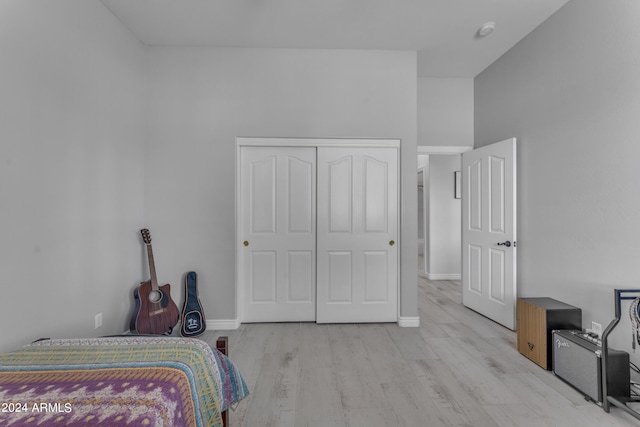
445, 118
570, 93
200, 100
443, 254
71, 169
102, 136
445, 111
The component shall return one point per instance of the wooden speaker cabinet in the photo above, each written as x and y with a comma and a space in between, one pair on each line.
536, 319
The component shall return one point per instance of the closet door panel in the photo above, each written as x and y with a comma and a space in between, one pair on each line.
357, 279
277, 226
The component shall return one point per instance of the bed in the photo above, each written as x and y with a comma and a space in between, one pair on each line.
119, 381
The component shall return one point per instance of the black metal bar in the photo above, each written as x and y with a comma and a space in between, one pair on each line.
618, 297
622, 405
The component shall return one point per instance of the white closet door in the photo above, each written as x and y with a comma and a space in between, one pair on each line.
357, 258
277, 230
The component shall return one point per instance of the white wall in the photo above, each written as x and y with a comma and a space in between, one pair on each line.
445, 111
71, 169
201, 99
444, 243
570, 93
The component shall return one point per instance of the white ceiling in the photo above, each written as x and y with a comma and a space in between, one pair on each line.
443, 32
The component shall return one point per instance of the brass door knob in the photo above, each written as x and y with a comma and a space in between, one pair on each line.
391, 243
246, 243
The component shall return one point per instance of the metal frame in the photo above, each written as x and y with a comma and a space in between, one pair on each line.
618, 296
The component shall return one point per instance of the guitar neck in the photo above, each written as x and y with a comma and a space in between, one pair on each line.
152, 268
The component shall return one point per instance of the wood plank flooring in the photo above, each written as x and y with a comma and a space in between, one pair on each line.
457, 369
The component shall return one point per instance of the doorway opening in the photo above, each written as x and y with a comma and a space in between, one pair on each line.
439, 212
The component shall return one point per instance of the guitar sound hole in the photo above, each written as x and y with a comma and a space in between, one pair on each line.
155, 296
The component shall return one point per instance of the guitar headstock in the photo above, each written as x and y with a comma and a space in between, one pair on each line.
146, 236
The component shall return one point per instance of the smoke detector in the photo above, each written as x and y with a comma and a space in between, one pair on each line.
486, 29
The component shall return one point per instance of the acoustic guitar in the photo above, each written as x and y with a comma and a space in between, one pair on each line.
155, 311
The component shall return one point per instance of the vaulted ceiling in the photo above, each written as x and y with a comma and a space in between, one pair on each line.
444, 33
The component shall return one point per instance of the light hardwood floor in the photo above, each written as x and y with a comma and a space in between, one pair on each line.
457, 369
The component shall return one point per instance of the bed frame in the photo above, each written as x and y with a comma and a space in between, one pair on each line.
222, 344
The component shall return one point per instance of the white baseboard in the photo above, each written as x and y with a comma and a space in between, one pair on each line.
212, 325
230, 324
454, 276
409, 322
223, 324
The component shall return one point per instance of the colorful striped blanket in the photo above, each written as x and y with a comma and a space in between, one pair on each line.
123, 381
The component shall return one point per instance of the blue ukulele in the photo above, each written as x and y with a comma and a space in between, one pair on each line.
193, 321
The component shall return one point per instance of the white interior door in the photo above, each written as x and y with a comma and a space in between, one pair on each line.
357, 260
277, 230
489, 231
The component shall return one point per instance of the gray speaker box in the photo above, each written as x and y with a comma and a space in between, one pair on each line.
578, 362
